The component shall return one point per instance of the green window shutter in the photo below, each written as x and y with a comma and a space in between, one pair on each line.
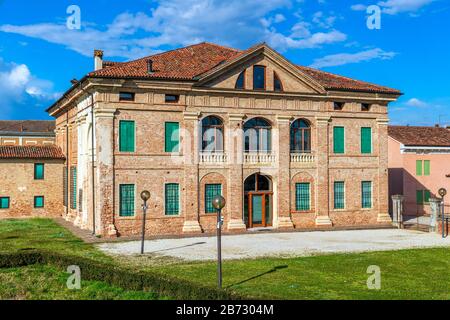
172, 136
126, 199
426, 168
366, 140
65, 186
172, 199
366, 195
419, 196
426, 196
38, 202
211, 190
303, 196
73, 188
339, 195
338, 139
38, 171
418, 167
126, 136
4, 203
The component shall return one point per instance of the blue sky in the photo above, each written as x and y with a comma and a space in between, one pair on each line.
39, 54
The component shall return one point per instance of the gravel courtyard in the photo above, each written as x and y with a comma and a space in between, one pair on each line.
281, 244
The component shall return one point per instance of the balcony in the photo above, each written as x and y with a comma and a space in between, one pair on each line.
259, 158
212, 158
302, 157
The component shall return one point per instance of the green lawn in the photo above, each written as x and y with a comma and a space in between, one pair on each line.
405, 274
43, 282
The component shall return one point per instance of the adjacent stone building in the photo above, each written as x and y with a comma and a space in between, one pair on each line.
419, 162
27, 132
31, 181
287, 146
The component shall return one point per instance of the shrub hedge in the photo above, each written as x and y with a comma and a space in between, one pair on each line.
119, 276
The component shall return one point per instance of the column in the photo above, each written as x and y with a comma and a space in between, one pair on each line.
323, 180
283, 220
81, 170
234, 147
190, 151
397, 210
104, 201
435, 205
383, 193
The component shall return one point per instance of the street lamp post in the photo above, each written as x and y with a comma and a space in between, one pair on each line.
145, 196
219, 203
442, 192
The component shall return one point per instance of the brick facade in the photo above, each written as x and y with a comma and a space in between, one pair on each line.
150, 167
19, 185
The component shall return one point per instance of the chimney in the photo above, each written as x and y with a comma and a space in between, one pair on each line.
150, 66
98, 60
437, 125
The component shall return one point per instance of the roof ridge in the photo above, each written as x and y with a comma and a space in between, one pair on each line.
339, 75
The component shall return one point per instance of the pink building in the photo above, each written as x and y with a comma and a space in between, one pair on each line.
419, 164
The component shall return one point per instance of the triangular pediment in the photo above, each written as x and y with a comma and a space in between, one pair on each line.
292, 78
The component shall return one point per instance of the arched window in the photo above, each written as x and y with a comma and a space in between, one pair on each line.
257, 133
240, 82
300, 136
277, 85
259, 78
212, 134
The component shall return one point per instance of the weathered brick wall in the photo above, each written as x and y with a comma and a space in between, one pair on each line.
18, 183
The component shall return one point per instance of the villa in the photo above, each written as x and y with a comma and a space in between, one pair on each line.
287, 146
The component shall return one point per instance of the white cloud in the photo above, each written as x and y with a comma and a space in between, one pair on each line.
394, 7
414, 102
347, 58
17, 84
184, 22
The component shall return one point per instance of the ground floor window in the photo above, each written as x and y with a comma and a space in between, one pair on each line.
126, 200
4, 202
423, 196
211, 190
366, 193
302, 196
339, 195
38, 202
172, 199
73, 188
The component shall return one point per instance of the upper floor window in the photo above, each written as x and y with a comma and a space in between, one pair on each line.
126, 96
172, 98
257, 133
300, 136
339, 106
172, 137
366, 140
259, 78
365, 107
240, 82
277, 85
127, 136
212, 134
38, 171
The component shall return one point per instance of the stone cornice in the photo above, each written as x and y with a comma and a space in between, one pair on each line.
189, 115
104, 113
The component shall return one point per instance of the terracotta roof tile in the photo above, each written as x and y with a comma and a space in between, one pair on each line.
189, 62
34, 126
31, 152
420, 136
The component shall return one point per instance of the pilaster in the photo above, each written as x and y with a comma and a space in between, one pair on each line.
323, 180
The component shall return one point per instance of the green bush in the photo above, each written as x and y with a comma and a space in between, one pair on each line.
118, 276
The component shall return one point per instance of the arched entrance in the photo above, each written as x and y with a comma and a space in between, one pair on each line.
258, 194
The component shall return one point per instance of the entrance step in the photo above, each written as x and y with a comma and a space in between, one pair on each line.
268, 229
417, 227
